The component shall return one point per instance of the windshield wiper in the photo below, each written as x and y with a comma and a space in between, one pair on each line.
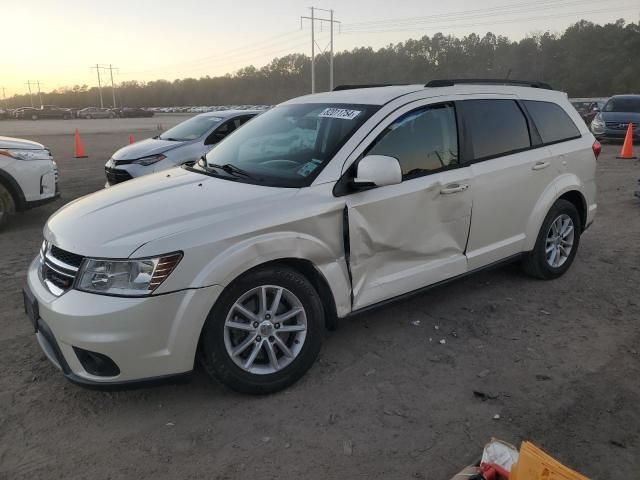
232, 169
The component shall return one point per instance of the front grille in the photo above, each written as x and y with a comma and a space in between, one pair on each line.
617, 125
59, 269
115, 175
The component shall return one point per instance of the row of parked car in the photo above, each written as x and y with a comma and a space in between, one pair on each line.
52, 111
204, 109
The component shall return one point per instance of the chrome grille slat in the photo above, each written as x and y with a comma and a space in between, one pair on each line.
59, 268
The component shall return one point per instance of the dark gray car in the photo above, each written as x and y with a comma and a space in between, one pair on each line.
612, 121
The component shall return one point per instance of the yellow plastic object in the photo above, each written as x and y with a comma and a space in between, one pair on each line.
534, 464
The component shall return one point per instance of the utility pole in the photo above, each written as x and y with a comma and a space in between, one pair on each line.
113, 87
4, 99
97, 67
313, 20
39, 93
28, 84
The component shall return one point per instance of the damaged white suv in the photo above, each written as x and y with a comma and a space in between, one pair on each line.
320, 208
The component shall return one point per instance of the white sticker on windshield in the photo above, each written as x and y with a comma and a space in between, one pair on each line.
342, 113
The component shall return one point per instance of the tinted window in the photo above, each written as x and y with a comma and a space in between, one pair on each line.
191, 129
552, 121
423, 140
496, 127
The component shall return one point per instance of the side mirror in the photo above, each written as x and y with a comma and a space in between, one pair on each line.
378, 170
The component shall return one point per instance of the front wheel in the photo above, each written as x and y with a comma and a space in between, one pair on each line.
264, 332
557, 242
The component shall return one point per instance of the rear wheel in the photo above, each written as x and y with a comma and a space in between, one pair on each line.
557, 242
88, 117
264, 332
34, 117
7, 205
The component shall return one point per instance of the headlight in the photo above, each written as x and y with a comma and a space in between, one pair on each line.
20, 154
597, 122
130, 278
150, 159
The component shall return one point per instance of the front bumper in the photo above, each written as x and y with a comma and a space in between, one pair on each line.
147, 338
615, 134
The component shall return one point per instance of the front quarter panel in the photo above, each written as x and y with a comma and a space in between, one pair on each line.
305, 226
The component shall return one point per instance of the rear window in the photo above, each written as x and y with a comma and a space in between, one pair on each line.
497, 127
552, 122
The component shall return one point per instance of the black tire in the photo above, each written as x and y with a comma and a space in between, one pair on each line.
34, 117
535, 262
7, 206
88, 117
218, 363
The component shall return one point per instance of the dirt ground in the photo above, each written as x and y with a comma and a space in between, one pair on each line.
557, 361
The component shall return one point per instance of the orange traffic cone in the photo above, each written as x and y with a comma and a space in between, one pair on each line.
131, 139
78, 151
627, 147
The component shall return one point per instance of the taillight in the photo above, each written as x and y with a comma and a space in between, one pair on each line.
597, 148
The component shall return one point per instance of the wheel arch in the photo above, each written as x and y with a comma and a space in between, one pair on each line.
567, 187
14, 189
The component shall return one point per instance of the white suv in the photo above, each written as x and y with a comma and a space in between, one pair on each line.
28, 176
323, 207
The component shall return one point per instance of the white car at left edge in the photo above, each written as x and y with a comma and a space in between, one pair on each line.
28, 176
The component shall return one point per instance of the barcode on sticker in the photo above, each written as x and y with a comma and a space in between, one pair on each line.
343, 113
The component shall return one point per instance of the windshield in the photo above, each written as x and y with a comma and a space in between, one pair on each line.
289, 145
191, 129
623, 104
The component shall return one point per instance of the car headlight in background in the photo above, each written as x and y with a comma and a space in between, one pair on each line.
20, 154
597, 124
151, 159
131, 278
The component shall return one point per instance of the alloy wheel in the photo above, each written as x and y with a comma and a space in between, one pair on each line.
559, 242
265, 329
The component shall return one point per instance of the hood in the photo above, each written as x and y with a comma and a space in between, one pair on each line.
144, 148
622, 117
10, 142
114, 222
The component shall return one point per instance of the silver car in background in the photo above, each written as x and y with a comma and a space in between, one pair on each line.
95, 112
183, 144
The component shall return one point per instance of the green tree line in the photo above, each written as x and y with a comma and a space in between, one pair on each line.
586, 60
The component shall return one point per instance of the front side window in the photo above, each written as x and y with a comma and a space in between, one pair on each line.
191, 129
497, 127
552, 122
423, 141
290, 144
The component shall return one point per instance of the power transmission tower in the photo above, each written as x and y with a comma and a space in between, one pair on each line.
113, 87
39, 93
97, 67
323, 51
28, 84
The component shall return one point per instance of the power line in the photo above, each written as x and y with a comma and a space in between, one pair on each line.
509, 9
239, 51
490, 22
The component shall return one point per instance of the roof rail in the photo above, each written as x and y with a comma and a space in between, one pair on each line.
488, 81
370, 85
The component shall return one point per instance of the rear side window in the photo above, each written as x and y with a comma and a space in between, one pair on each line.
552, 122
496, 127
423, 141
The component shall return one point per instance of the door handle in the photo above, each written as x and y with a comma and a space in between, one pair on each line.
540, 165
453, 188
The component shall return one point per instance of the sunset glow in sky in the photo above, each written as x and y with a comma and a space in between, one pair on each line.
148, 39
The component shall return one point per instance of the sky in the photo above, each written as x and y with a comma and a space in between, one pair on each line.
57, 42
